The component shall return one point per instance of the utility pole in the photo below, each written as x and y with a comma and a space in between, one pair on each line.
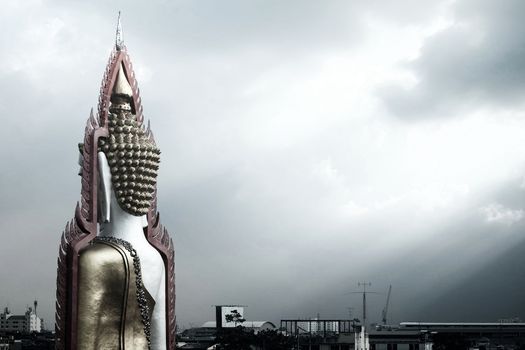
361, 338
365, 292
364, 285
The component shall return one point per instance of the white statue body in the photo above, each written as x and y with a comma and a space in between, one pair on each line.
117, 223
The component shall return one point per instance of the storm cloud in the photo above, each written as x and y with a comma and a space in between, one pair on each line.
301, 149
475, 61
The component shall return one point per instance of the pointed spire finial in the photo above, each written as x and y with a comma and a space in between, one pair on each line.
119, 38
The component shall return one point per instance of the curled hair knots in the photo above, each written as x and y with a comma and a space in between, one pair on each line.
134, 161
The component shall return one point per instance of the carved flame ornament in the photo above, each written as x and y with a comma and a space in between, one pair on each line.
118, 130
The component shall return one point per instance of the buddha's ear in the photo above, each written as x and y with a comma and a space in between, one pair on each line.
104, 192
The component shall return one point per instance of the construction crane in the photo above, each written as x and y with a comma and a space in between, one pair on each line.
385, 310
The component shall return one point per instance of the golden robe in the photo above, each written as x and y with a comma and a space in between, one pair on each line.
109, 315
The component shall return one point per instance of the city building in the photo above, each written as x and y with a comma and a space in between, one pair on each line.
226, 317
323, 335
26, 323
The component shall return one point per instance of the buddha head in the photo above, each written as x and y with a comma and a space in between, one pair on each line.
132, 155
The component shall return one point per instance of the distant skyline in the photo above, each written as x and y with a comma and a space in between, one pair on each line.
306, 146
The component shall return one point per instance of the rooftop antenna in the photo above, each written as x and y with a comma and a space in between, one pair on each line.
365, 292
119, 37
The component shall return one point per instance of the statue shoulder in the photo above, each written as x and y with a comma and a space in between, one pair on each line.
102, 255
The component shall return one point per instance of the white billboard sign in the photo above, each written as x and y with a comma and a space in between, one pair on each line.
228, 310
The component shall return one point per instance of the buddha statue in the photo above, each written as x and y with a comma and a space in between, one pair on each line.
115, 281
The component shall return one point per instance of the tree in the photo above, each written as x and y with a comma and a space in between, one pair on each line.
234, 338
234, 317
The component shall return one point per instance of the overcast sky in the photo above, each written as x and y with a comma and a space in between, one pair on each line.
306, 146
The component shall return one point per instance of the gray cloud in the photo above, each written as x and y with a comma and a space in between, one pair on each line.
277, 195
476, 61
